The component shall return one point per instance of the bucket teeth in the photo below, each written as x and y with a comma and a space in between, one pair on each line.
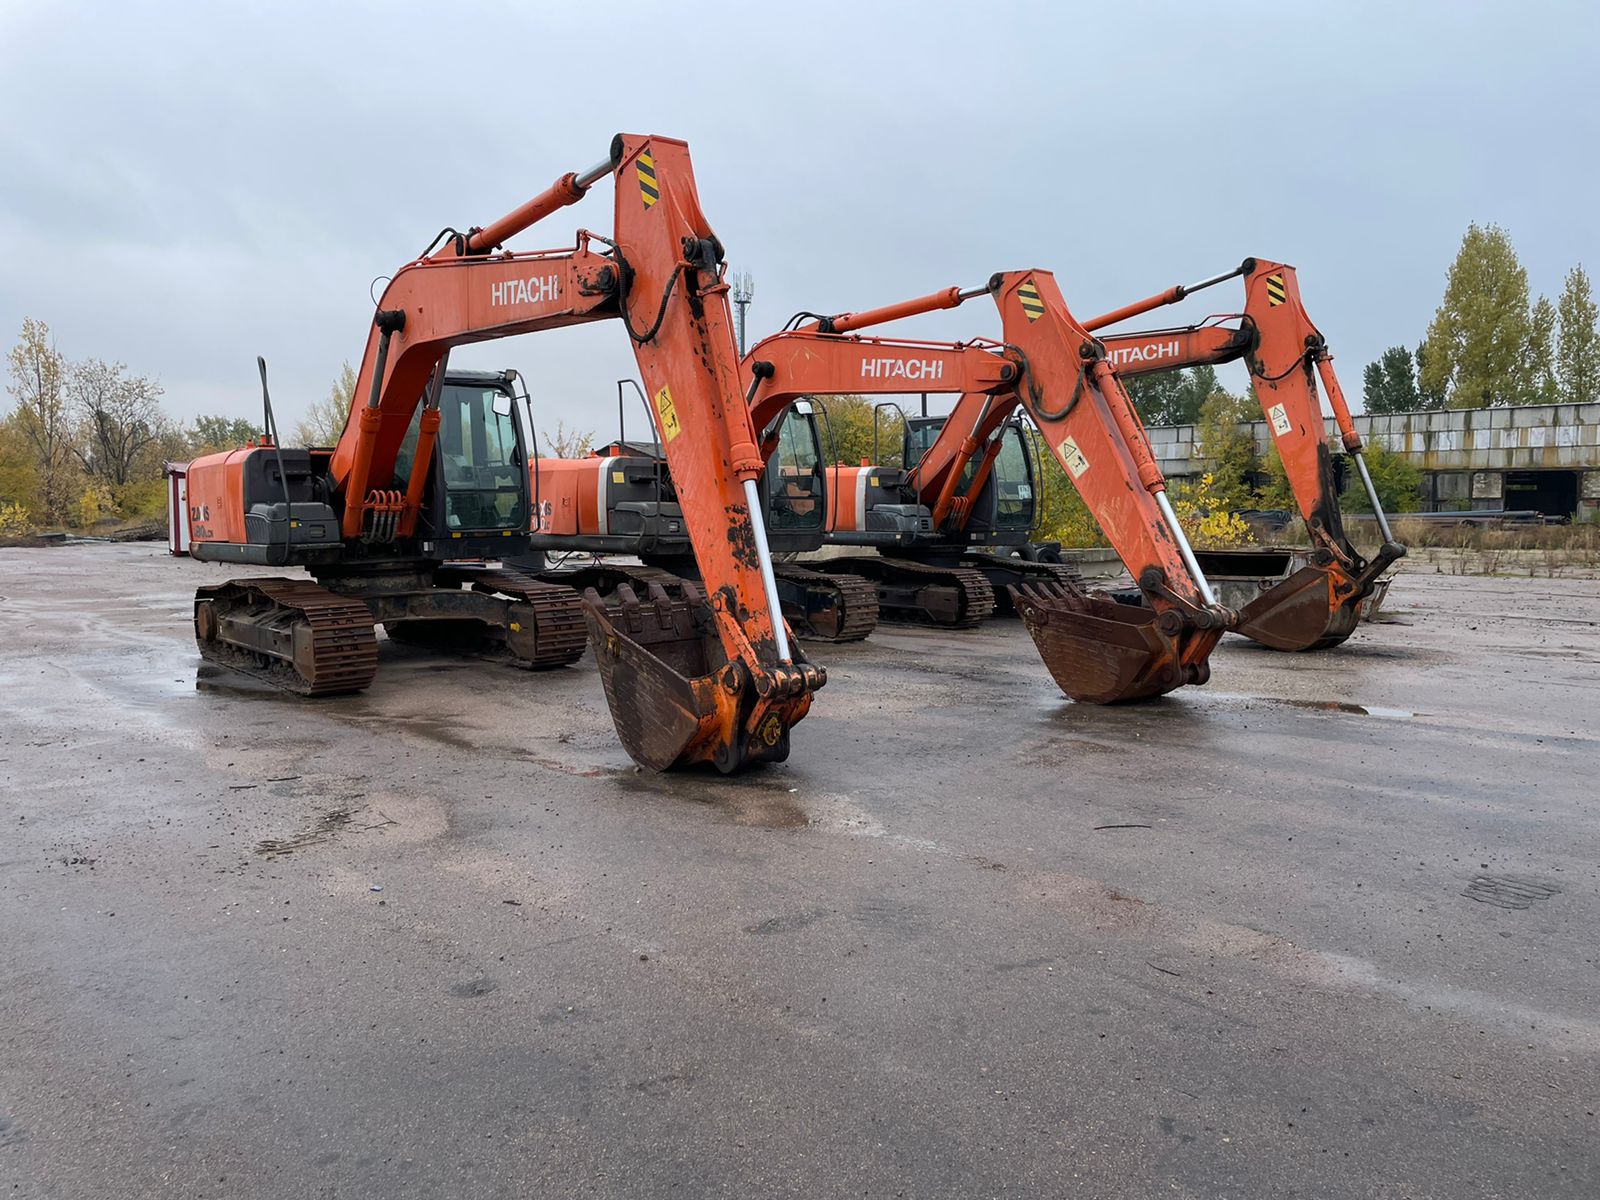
1103, 652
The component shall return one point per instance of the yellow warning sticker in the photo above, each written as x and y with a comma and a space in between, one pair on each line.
668, 414
617, 477
1032, 305
1281, 424
1276, 292
1073, 457
649, 189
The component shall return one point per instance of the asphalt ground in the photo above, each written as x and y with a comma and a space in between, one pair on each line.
1324, 927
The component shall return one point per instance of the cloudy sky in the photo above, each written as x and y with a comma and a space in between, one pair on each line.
188, 185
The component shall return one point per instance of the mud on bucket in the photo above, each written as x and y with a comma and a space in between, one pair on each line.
675, 699
1103, 652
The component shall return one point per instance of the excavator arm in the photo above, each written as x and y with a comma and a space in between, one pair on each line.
1096, 647
1098, 650
1286, 355
685, 683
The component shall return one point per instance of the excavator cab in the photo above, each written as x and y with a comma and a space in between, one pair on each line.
476, 502
1005, 510
795, 489
1016, 482
920, 434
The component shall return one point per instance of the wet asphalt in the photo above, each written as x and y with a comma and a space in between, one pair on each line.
1325, 927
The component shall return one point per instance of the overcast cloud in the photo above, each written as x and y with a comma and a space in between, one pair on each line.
188, 185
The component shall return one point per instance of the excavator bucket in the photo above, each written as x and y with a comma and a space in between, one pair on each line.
1101, 651
675, 698
1313, 607
1306, 611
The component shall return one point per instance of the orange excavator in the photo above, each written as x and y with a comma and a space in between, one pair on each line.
393, 522
1319, 605
930, 519
1098, 649
621, 500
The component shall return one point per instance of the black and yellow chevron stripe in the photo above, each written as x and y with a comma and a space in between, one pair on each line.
1276, 294
649, 190
1032, 306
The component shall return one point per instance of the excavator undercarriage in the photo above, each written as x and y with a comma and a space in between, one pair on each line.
317, 638
293, 633
509, 616
823, 606
827, 606
954, 597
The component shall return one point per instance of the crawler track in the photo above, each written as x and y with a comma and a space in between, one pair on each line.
554, 613
850, 615
306, 639
1005, 573
850, 612
950, 597
606, 577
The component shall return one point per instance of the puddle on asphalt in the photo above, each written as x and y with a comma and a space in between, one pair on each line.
1333, 706
755, 805
1345, 706
221, 681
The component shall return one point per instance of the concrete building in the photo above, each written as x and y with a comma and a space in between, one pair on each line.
1544, 456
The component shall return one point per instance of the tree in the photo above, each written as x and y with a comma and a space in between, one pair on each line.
38, 382
1209, 520
1477, 344
1578, 347
1394, 477
567, 443
214, 433
1390, 384
324, 421
120, 419
1229, 448
19, 464
847, 431
1430, 393
1201, 385
1171, 397
1155, 396
1541, 366
1276, 493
